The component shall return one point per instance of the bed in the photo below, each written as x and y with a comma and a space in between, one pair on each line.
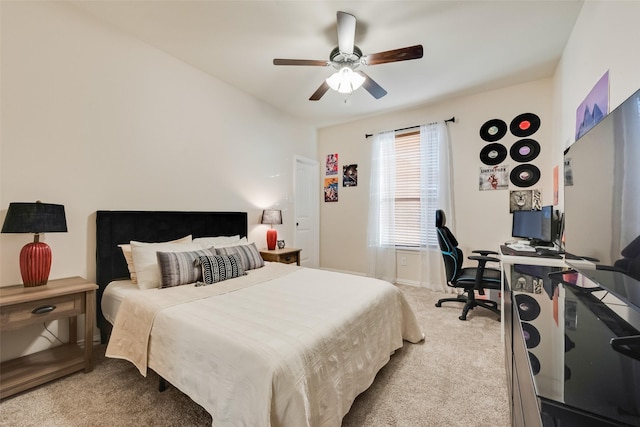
279, 346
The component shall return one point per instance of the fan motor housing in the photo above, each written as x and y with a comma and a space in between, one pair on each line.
341, 59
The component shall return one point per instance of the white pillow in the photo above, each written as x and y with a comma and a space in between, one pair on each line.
146, 264
220, 242
126, 251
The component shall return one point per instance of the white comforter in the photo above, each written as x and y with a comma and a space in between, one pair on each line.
294, 350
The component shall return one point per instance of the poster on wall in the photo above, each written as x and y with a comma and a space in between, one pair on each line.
525, 200
555, 186
331, 167
494, 178
331, 189
594, 107
350, 175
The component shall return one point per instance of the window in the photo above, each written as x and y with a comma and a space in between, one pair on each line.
407, 201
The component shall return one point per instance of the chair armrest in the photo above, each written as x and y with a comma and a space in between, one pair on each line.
483, 259
484, 252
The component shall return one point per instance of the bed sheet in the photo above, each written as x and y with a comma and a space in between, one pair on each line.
291, 351
113, 295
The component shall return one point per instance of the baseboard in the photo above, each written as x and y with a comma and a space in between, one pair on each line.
408, 282
355, 273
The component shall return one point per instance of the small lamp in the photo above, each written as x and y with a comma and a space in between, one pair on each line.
38, 217
271, 216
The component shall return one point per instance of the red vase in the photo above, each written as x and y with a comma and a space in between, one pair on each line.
35, 264
272, 236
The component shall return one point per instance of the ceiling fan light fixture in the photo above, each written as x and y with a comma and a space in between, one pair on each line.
345, 80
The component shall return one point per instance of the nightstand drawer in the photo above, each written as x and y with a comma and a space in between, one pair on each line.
284, 256
44, 310
289, 259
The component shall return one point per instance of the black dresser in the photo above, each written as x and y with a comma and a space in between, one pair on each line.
562, 367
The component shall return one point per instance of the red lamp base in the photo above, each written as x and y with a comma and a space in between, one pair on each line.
35, 264
272, 236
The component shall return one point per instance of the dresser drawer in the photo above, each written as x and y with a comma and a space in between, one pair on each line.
44, 310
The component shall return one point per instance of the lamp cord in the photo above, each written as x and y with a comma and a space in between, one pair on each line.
52, 334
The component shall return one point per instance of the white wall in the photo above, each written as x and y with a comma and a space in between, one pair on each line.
605, 37
94, 119
482, 218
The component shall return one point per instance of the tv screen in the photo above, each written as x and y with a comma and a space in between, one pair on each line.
536, 226
602, 190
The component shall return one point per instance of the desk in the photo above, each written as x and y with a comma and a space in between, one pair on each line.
561, 369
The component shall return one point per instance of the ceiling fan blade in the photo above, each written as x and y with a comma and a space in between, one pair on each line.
346, 32
372, 87
402, 54
313, 62
324, 87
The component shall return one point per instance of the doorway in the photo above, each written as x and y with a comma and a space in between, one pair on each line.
306, 210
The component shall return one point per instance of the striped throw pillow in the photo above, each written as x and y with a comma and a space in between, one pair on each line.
249, 255
217, 268
180, 268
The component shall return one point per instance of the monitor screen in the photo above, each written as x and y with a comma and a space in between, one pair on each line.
536, 226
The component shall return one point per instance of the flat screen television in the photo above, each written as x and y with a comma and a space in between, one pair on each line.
602, 194
536, 226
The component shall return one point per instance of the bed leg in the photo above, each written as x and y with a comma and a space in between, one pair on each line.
162, 385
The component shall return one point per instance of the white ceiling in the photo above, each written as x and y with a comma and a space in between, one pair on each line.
469, 46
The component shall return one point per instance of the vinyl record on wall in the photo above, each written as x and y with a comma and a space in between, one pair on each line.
528, 307
531, 335
492, 154
525, 175
493, 130
524, 125
535, 363
525, 150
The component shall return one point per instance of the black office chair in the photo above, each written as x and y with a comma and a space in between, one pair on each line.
470, 279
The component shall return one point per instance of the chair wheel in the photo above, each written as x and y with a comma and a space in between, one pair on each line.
438, 304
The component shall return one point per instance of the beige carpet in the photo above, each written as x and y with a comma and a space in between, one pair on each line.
455, 378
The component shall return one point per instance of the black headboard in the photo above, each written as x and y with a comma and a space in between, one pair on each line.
117, 227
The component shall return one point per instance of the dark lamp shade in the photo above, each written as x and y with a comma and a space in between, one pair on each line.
35, 218
271, 216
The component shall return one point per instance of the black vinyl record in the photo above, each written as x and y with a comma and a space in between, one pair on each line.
528, 307
535, 363
525, 124
493, 130
525, 150
492, 154
525, 175
531, 335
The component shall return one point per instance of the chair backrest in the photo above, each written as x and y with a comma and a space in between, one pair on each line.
451, 254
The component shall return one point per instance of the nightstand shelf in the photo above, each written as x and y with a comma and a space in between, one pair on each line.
285, 255
57, 300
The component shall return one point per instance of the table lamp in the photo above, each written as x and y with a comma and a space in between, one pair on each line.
271, 216
38, 217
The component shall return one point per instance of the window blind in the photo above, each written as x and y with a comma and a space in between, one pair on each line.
407, 192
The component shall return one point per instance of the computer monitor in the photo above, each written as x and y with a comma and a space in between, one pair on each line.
535, 226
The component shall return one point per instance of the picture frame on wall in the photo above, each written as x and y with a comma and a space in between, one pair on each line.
331, 189
331, 165
350, 175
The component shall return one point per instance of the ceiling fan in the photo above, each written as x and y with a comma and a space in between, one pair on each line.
347, 57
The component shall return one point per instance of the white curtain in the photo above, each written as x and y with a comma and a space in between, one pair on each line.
381, 255
436, 192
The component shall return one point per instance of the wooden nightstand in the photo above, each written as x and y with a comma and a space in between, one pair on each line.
57, 300
285, 255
